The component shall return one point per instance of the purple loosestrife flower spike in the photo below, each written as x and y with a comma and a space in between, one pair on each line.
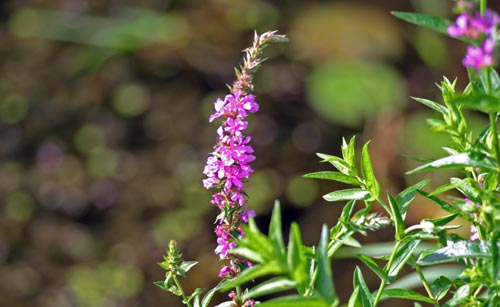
228, 166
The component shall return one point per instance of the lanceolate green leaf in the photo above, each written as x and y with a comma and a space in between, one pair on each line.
254, 272
433, 105
275, 230
335, 176
406, 294
440, 287
431, 22
403, 253
374, 267
296, 301
451, 186
396, 217
405, 197
480, 102
371, 182
347, 194
274, 285
324, 281
208, 297
337, 162
460, 160
458, 250
297, 265
364, 295
445, 206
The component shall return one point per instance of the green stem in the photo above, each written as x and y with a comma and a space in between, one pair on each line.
482, 6
493, 117
382, 283
184, 297
426, 284
494, 135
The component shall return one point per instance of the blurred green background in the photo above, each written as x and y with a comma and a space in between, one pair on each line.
104, 130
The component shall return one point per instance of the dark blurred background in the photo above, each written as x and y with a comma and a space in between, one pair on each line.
104, 131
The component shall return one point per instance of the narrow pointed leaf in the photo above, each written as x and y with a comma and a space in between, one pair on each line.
296, 259
347, 194
480, 102
458, 250
451, 186
337, 162
405, 197
433, 105
254, 272
460, 296
248, 253
460, 160
374, 267
296, 301
324, 281
353, 299
406, 294
402, 255
414, 281
445, 206
441, 221
440, 287
210, 294
275, 230
271, 286
364, 295
372, 184
396, 217
430, 22
186, 266
335, 176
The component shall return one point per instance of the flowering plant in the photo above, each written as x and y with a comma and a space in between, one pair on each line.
300, 275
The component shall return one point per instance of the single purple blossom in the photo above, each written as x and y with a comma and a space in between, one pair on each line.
246, 214
461, 26
474, 233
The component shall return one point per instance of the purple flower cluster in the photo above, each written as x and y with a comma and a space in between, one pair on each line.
226, 169
481, 28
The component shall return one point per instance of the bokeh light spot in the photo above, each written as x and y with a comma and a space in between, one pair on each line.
302, 192
49, 156
179, 224
13, 109
307, 137
88, 138
102, 163
346, 92
19, 206
130, 100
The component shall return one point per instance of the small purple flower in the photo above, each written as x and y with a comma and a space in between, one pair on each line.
486, 23
225, 271
247, 214
474, 233
479, 57
474, 27
480, 28
462, 26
